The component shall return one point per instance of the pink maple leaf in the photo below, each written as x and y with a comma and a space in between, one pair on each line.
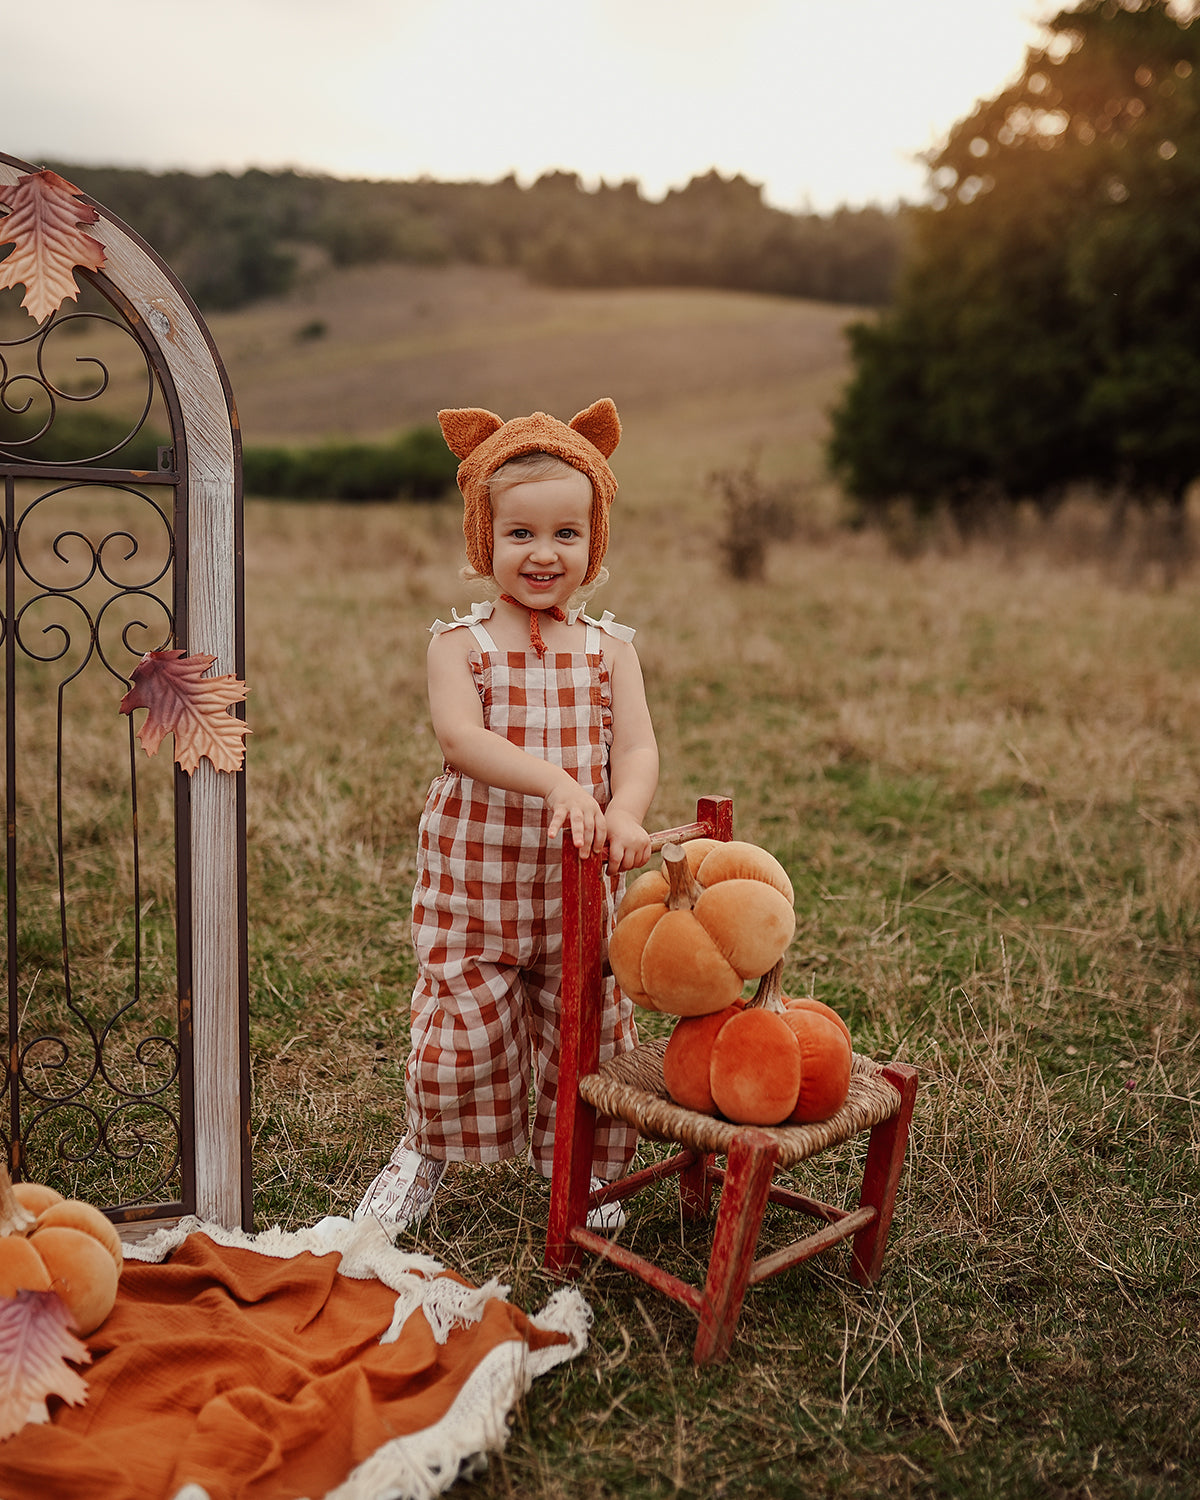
35, 1344
194, 708
42, 226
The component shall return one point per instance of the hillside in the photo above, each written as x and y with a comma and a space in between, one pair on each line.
702, 378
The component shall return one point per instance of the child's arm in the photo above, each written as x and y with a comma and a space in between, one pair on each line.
632, 763
470, 747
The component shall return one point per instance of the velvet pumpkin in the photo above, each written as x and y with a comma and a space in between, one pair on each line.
688, 1058
809, 1002
688, 937
826, 1059
755, 1071
771, 1061
49, 1243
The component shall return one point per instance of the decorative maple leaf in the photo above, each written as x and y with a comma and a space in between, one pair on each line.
183, 702
35, 1344
43, 227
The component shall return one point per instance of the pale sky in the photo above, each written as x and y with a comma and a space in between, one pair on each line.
824, 102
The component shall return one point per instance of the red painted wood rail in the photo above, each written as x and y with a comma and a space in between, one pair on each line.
747, 1180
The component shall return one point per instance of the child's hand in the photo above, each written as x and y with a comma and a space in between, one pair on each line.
628, 842
570, 805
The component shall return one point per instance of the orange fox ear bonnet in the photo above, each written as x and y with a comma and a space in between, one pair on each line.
483, 442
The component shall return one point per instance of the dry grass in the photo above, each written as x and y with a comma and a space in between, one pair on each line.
982, 776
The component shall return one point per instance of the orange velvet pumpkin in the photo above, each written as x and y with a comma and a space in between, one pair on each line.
755, 1072
772, 1061
688, 1056
56, 1244
687, 938
826, 1060
809, 1002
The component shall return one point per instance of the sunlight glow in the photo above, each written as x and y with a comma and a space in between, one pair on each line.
824, 102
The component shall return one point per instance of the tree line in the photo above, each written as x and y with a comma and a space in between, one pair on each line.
1045, 331
235, 238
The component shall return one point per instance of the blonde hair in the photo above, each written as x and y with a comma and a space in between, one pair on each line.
530, 466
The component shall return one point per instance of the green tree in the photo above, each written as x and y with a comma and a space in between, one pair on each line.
1046, 327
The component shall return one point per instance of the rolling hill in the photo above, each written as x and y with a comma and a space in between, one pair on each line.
703, 379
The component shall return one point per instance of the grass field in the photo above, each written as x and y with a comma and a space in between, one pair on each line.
981, 769
982, 777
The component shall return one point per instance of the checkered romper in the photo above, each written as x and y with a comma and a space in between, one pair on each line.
487, 920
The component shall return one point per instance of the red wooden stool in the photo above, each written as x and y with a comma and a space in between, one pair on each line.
631, 1087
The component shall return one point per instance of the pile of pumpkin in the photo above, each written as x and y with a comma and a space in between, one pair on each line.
687, 940
60, 1264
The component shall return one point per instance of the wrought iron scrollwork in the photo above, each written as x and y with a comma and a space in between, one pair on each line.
33, 397
90, 1083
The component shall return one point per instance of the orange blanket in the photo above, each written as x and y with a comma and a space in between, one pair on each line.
227, 1373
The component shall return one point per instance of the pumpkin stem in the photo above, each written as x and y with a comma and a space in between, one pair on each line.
14, 1219
769, 994
684, 890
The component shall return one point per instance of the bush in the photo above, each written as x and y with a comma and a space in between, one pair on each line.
79, 437
416, 466
756, 514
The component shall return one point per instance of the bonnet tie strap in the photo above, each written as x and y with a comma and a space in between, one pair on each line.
535, 633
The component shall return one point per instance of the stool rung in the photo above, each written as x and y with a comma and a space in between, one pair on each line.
793, 1254
828, 1213
625, 1187
637, 1265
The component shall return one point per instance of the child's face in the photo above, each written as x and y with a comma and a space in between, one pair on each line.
540, 534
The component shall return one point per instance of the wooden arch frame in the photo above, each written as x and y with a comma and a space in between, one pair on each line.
168, 324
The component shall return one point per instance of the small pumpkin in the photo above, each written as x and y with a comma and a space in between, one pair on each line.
826, 1060
57, 1244
688, 937
756, 1068
688, 1057
769, 1062
811, 1003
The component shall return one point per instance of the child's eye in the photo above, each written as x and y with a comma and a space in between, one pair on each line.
567, 532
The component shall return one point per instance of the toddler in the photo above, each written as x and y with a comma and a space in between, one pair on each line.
541, 716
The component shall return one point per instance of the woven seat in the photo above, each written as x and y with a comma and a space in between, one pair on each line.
630, 1087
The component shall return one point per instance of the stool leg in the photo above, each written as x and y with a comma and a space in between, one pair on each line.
881, 1177
695, 1188
570, 1182
749, 1169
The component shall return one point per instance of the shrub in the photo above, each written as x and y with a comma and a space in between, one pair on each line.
756, 513
416, 466
79, 436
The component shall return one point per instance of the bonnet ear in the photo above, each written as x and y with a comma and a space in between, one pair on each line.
598, 423
464, 428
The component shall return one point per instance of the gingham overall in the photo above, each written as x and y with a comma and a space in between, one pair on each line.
487, 920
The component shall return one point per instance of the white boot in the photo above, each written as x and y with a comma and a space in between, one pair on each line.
401, 1195
605, 1218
